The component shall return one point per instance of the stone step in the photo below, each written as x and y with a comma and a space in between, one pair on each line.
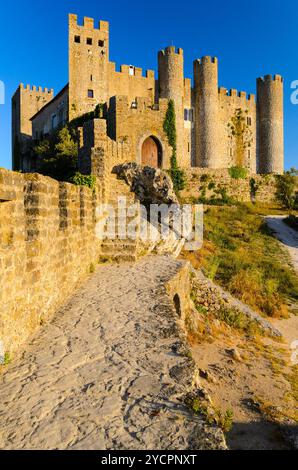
111, 250
119, 257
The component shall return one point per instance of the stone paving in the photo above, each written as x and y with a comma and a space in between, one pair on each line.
108, 372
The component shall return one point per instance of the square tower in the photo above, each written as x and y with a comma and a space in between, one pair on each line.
88, 65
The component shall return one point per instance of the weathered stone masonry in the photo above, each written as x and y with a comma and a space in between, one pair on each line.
47, 244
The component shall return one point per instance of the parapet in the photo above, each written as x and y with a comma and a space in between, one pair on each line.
270, 78
236, 94
223, 91
88, 23
171, 50
39, 90
207, 60
137, 71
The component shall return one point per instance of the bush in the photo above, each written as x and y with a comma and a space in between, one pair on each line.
285, 190
84, 180
238, 172
177, 175
58, 155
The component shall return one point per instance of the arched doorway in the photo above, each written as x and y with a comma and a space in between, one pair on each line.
151, 152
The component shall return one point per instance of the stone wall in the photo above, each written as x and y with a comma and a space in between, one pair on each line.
47, 245
236, 188
134, 125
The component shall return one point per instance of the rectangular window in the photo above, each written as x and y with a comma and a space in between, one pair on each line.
188, 115
249, 121
90, 94
77, 39
91, 78
231, 152
101, 43
89, 41
131, 70
54, 121
248, 153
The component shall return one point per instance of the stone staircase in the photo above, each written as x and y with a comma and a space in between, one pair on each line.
118, 249
124, 248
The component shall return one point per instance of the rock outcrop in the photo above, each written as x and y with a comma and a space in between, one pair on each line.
151, 185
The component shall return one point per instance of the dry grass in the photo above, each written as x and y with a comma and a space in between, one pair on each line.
241, 255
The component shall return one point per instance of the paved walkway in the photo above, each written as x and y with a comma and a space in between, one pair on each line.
287, 235
108, 372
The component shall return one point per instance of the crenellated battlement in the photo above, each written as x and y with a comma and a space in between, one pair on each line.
270, 78
171, 50
126, 70
88, 23
39, 90
207, 60
236, 94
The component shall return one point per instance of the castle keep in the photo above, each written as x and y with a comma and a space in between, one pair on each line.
216, 128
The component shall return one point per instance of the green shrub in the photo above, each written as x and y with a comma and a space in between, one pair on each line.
285, 189
58, 155
177, 175
238, 172
84, 180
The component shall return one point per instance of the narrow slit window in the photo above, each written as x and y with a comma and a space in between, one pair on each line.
90, 94
249, 121
77, 39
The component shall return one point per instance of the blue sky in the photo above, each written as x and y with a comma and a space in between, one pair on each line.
250, 38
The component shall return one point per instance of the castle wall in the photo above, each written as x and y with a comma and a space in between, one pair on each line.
130, 82
47, 244
135, 124
229, 103
239, 189
54, 114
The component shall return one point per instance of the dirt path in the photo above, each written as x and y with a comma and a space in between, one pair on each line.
286, 235
105, 372
242, 386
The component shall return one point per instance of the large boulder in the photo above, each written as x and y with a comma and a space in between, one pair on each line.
151, 185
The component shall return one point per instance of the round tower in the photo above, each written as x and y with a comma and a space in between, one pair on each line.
206, 112
170, 74
171, 86
270, 124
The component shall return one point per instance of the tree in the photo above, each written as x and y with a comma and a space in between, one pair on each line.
286, 189
58, 155
169, 126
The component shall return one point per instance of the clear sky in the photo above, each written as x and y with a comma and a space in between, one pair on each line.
250, 38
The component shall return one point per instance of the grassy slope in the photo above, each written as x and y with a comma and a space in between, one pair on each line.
240, 254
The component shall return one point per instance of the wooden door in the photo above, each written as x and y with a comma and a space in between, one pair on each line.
150, 153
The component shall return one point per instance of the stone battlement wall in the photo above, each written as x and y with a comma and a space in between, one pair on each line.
47, 245
236, 188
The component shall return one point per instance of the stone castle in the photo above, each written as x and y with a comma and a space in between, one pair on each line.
216, 128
